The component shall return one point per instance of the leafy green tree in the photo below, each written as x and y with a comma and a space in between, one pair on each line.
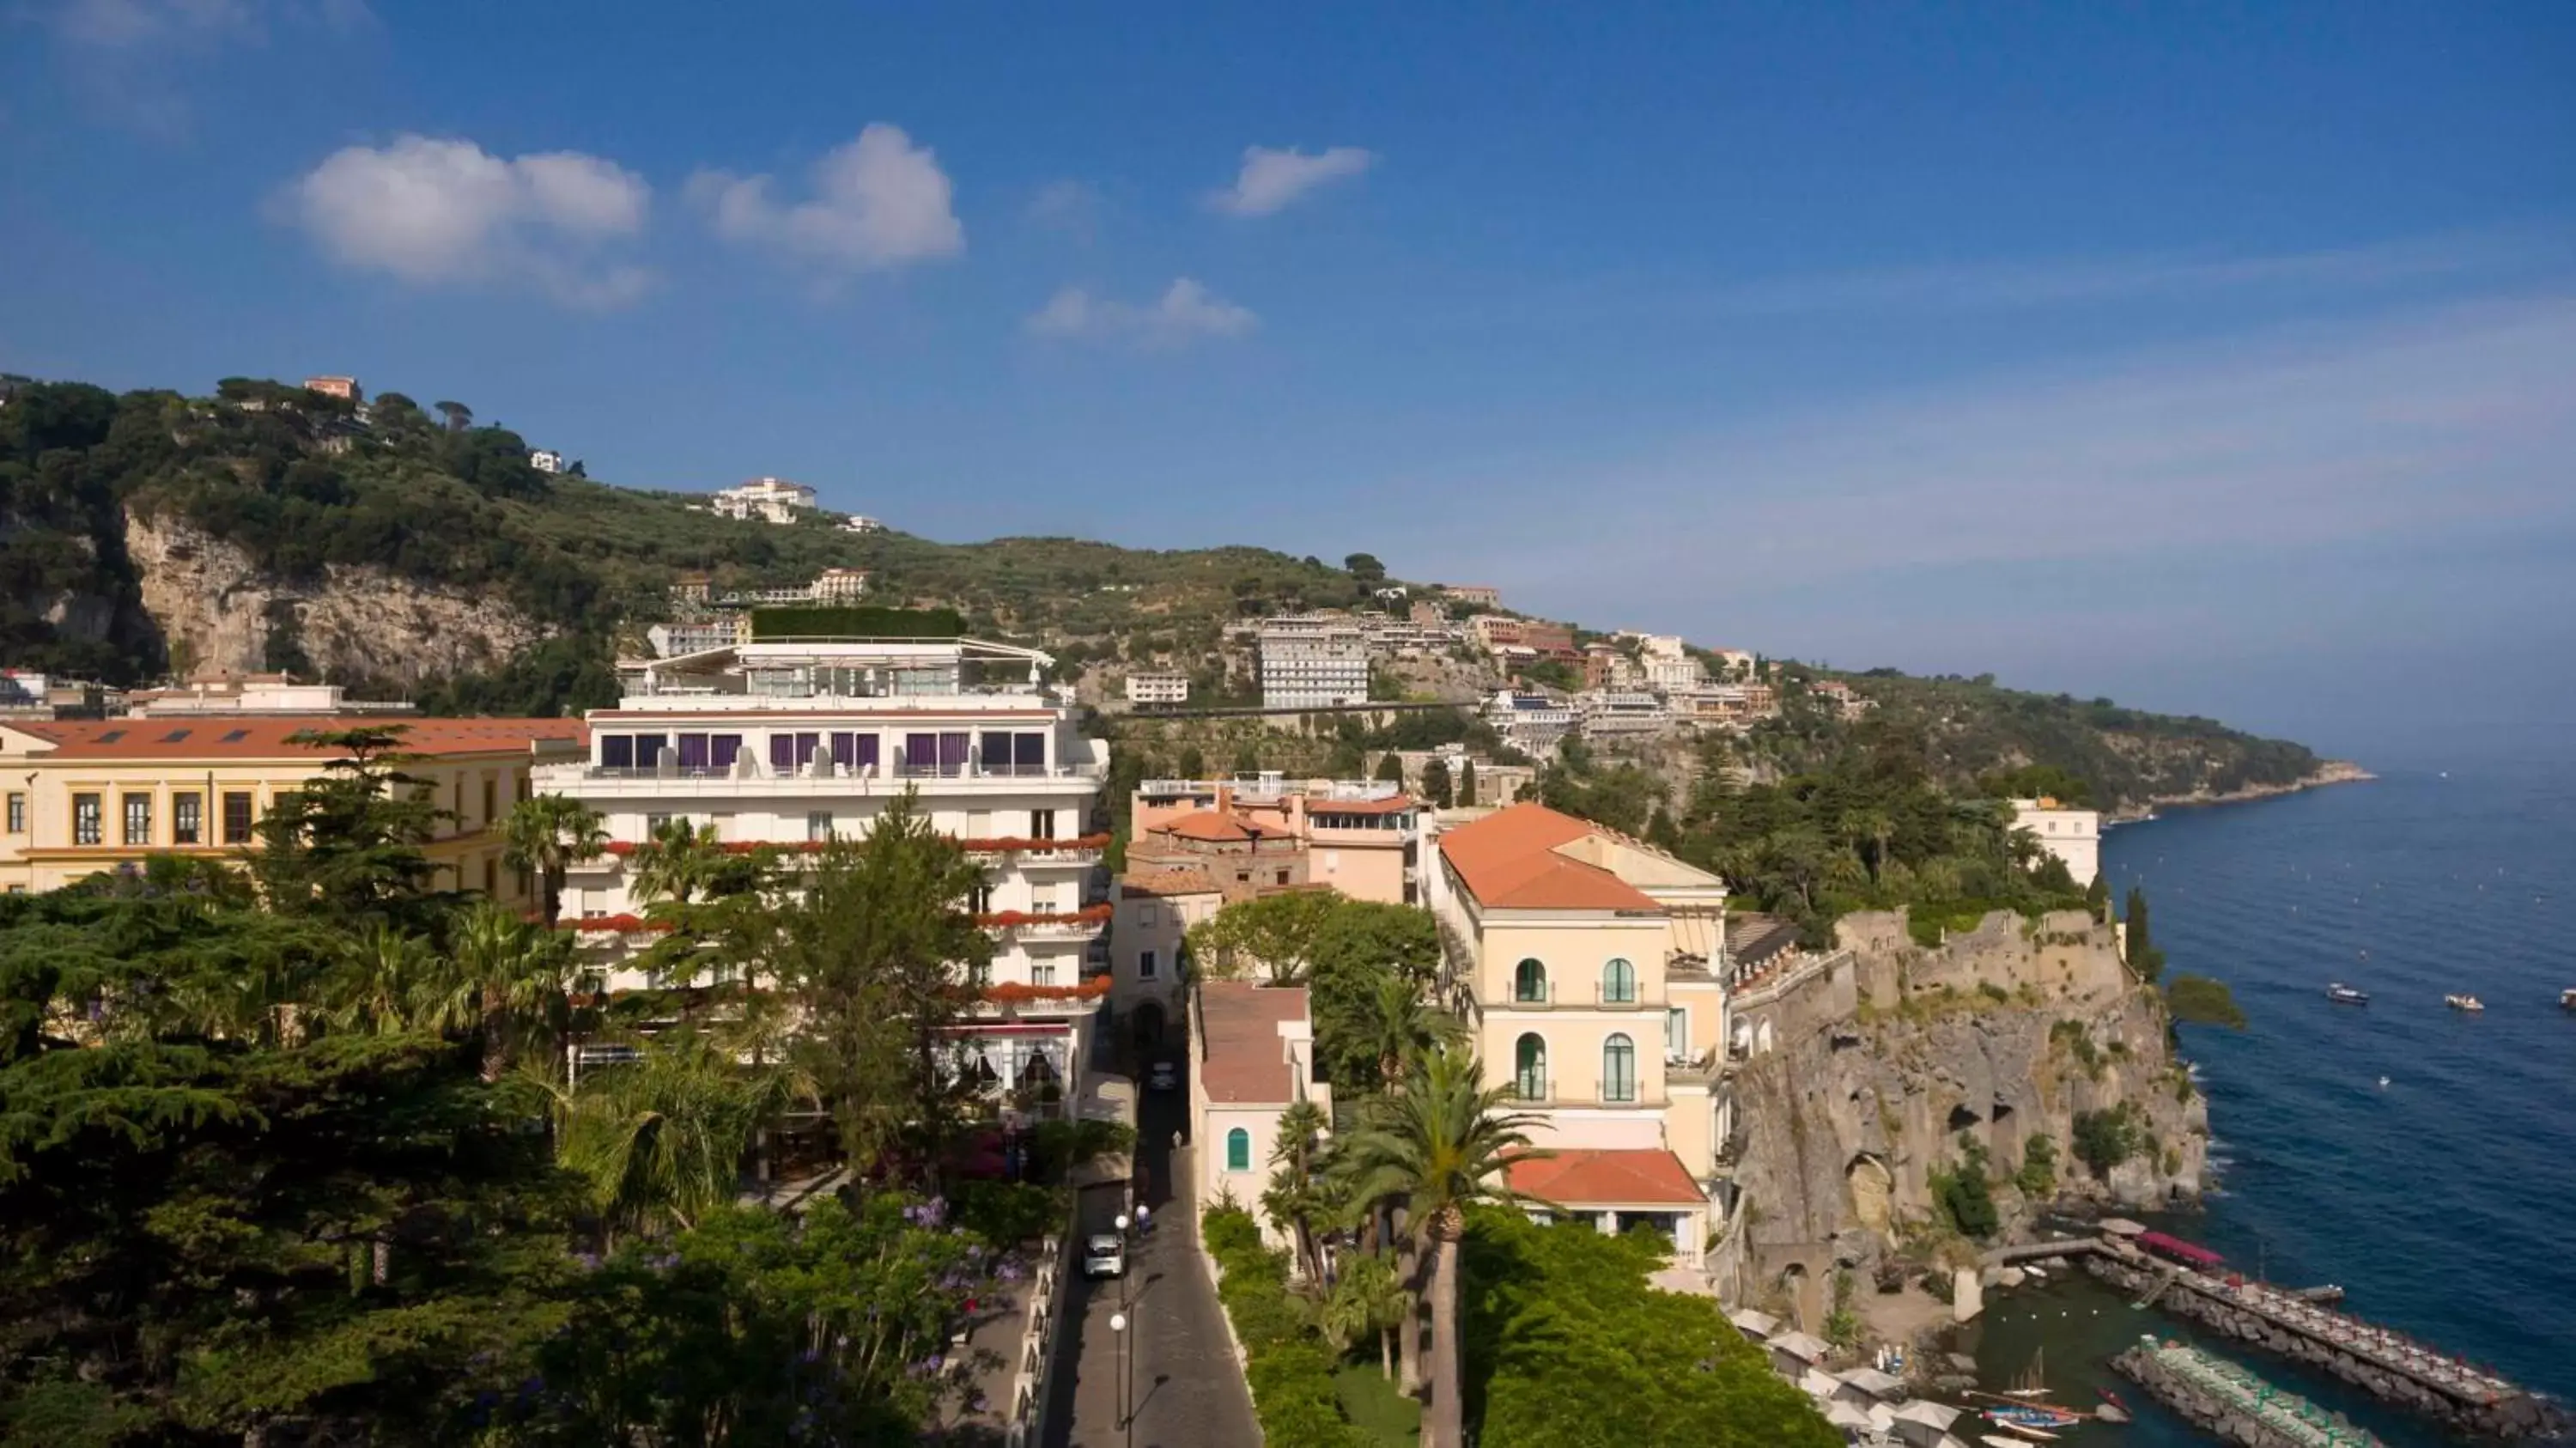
2144, 957
883, 957
2037, 1177
2203, 1001
1364, 569
546, 836
1275, 934
1390, 768
514, 980
1297, 1195
1569, 1343
1962, 1193
1368, 1300
350, 844
459, 416
2106, 1138
1192, 764
1438, 1147
1435, 783
660, 1140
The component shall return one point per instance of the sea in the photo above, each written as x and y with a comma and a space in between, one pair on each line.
2422, 1158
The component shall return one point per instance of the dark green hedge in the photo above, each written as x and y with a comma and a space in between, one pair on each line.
1291, 1372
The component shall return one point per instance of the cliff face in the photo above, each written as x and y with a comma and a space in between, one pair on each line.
217, 610
1873, 1074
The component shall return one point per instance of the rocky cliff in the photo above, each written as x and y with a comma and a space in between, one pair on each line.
217, 610
1866, 1081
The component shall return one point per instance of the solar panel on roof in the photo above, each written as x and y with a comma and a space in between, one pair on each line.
235, 737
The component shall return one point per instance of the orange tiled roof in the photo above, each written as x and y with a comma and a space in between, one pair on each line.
265, 736
1148, 884
1214, 827
1605, 1178
1246, 1060
1509, 860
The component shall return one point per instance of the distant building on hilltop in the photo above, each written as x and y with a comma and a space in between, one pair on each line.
546, 460
1158, 687
773, 499
1313, 661
343, 387
1475, 595
2073, 835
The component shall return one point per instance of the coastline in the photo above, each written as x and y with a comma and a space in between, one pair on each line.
2333, 771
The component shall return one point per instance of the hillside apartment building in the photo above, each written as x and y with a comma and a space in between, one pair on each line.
94, 795
775, 500
792, 744
1591, 970
1313, 661
2073, 835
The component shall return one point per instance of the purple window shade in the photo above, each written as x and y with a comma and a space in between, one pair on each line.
805, 747
1028, 751
845, 749
921, 751
867, 750
728, 748
993, 752
693, 751
782, 751
952, 753
648, 749
617, 751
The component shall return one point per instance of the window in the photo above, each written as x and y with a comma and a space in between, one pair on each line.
1042, 899
979, 900
138, 819
86, 826
187, 818
648, 749
1529, 981
723, 750
1677, 1034
491, 876
1619, 1069
1042, 971
1041, 824
456, 796
1144, 965
693, 751
792, 751
818, 824
234, 736
17, 813
491, 799
1238, 1150
174, 736
237, 811
1619, 983
653, 824
617, 751
1529, 1068
952, 753
920, 754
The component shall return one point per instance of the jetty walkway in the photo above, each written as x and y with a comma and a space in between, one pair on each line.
2383, 1362
2222, 1398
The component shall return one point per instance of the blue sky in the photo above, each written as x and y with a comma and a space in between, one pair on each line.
2215, 357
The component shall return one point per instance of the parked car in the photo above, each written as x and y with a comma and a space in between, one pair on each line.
1163, 1076
1104, 1256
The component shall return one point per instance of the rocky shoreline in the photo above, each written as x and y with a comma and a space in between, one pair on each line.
2333, 771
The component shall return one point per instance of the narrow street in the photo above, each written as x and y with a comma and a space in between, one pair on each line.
1187, 1386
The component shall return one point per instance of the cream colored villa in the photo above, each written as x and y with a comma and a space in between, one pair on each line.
1592, 981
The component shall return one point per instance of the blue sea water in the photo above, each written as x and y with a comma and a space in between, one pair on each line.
2444, 1202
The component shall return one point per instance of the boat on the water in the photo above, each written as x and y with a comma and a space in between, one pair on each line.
2567, 1000
2031, 1420
2112, 1410
2464, 1003
1998, 1440
2344, 995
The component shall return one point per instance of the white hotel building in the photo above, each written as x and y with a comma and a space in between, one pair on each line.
791, 743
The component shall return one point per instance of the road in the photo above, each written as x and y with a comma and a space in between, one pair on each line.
1187, 1386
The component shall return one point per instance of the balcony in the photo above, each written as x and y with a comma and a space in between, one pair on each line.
761, 781
1594, 997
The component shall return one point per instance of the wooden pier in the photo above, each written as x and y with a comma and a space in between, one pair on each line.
2387, 1364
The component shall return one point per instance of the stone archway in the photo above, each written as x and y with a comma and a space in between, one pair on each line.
1873, 1192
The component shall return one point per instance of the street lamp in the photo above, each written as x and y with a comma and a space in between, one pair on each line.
1126, 1379
1123, 1263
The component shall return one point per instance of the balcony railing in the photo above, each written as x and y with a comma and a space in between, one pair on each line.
1533, 1088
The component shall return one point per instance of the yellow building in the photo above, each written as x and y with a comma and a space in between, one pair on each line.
92, 795
1593, 986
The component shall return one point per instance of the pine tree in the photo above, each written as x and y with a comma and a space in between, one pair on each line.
1390, 767
1467, 783
1435, 783
2144, 958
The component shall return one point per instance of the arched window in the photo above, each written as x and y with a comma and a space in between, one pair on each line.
1618, 1069
1238, 1150
1529, 1068
1619, 983
1529, 982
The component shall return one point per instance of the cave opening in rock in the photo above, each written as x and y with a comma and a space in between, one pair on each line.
1964, 1119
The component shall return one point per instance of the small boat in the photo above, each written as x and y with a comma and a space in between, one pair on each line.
1998, 1440
2567, 1000
2112, 1409
2344, 995
2464, 1003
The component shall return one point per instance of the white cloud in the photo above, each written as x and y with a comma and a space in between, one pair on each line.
1271, 179
1185, 312
435, 212
879, 202
1067, 206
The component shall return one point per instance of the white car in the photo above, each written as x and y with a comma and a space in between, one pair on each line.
1104, 1256
1163, 1076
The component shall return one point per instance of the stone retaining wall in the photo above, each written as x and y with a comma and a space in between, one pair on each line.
2198, 1406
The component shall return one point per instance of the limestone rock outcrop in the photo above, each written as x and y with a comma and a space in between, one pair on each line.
1876, 1072
216, 610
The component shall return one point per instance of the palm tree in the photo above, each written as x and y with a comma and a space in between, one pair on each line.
389, 982
1396, 1025
679, 863
1368, 1298
1296, 1194
661, 1139
506, 977
547, 836
1439, 1146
